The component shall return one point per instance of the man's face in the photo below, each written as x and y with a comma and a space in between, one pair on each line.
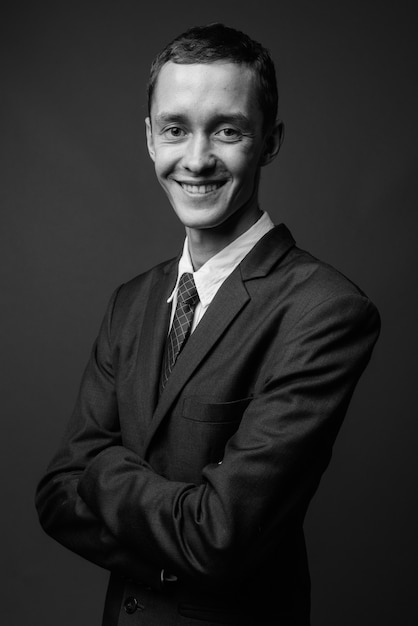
206, 139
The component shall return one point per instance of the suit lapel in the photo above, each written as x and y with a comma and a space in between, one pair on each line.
228, 302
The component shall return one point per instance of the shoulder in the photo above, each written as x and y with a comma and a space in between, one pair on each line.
318, 279
320, 291
130, 299
293, 271
295, 283
141, 283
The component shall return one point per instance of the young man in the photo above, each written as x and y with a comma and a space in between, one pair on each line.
218, 381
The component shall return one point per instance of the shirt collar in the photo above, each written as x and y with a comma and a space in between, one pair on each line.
211, 275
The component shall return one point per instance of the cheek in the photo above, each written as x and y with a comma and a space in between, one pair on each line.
245, 171
165, 162
243, 162
161, 170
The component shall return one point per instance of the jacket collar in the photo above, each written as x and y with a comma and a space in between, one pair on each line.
267, 253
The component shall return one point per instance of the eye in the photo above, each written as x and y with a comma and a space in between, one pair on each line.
174, 132
229, 134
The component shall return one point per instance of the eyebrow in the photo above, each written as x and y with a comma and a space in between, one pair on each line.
163, 118
239, 119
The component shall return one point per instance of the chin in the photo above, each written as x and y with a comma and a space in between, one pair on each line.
200, 218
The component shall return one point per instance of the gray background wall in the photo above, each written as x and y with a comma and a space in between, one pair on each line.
81, 212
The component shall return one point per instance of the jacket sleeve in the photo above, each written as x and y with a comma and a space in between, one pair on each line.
93, 428
221, 529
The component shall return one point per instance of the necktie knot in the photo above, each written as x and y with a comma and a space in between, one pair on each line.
187, 292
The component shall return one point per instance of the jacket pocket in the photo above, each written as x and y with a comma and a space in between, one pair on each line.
200, 410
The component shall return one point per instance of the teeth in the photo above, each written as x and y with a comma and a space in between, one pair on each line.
200, 189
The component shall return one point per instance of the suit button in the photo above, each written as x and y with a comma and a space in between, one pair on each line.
131, 605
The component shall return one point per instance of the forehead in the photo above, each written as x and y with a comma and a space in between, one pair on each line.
205, 87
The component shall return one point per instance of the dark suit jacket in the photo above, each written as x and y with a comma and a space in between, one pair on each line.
211, 481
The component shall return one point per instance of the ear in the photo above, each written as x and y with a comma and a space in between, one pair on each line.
150, 138
272, 143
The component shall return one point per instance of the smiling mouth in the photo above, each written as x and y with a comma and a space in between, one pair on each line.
201, 190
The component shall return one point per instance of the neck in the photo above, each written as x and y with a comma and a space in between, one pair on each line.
205, 243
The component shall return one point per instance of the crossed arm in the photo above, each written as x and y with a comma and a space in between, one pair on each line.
103, 501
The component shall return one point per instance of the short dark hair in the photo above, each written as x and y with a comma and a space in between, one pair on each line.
216, 42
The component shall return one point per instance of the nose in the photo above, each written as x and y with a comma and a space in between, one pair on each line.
198, 156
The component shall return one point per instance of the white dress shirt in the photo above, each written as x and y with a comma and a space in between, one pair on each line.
209, 278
